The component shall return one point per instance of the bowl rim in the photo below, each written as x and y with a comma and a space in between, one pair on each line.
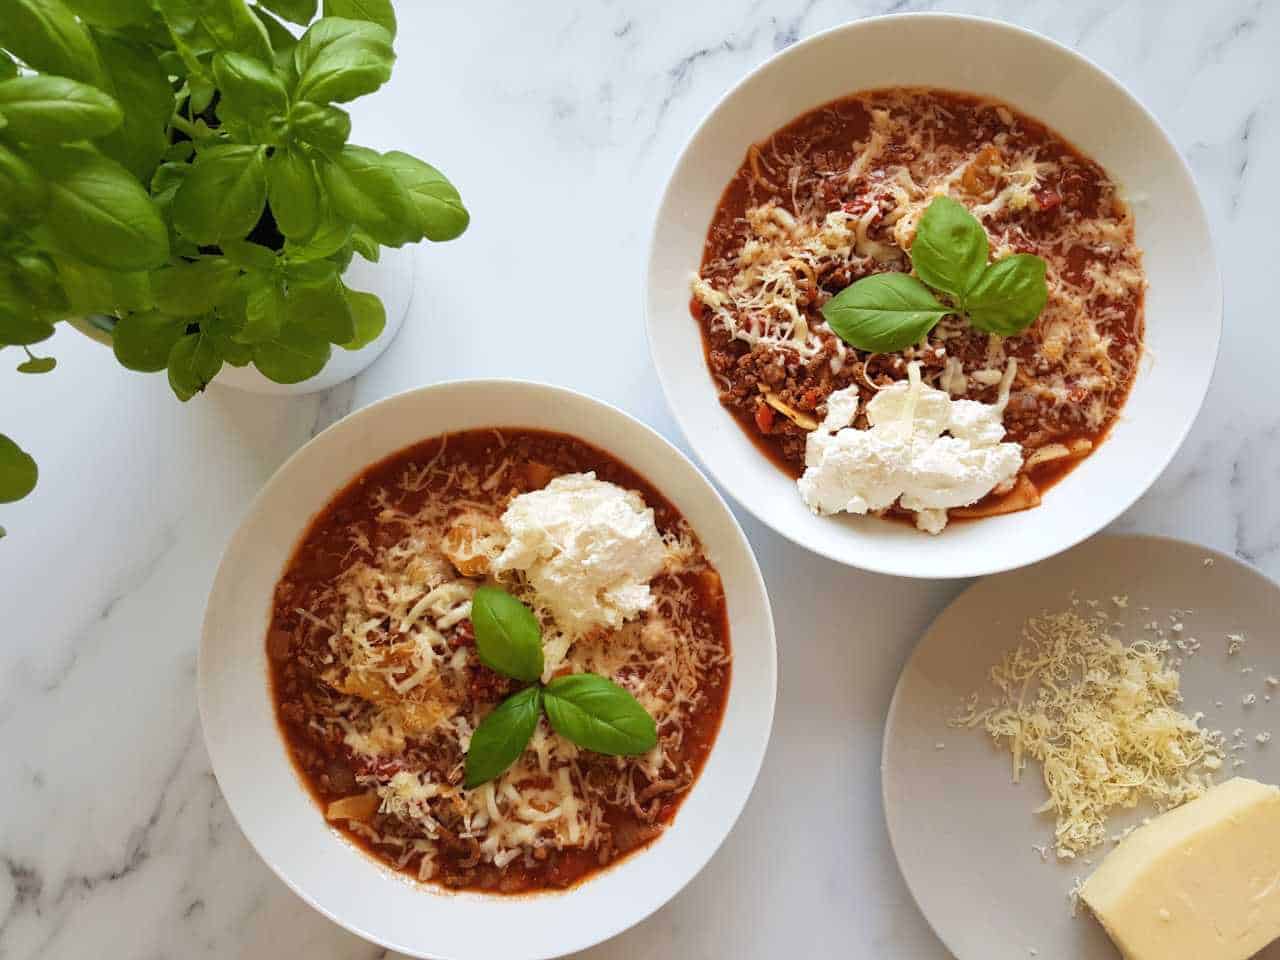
869, 560
755, 751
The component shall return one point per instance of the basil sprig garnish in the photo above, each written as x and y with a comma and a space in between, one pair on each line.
886, 312
590, 710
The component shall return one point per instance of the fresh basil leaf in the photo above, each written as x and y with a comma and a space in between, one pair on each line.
508, 637
250, 88
91, 289
111, 13
950, 249
883, 312
339, 60
1009, 295
141, 86
369, 315
181, 152
251, 256
310, 271
293, 192
8, 66
194, 369
366, 246
202, 89
37, 365
37, 275
42, 109
224, 194
164, 186
441, 214
596, 713
46, 36
342, 259
217, 24
98, 212
300, 12
191, 289
375, 11
282, 44
365, 190
18, 472
328, 239
295, 355
143, 341
264, 309
502, 736
321, 310
20, 327
193, 363
321, 125
22, 189
224, 328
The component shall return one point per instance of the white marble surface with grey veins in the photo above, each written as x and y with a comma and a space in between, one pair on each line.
559, 121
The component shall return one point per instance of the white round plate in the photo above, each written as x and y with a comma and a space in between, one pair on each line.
1048, 82
962, 830
284, 824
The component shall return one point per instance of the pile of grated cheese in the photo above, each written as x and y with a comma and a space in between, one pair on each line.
1102, 718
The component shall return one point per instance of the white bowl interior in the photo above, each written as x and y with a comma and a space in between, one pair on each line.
1050, 83
274, 809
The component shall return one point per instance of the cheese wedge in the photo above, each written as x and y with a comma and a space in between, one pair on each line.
1200, 882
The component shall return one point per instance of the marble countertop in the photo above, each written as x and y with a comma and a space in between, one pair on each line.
114, 839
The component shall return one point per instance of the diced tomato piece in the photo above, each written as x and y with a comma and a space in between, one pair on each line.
764, 417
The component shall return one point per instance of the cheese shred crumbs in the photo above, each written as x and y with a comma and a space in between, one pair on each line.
1102, 718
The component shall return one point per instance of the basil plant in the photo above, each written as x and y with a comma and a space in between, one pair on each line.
178, 173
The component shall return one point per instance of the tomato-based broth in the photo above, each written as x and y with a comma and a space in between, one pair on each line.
378, 685
837, 195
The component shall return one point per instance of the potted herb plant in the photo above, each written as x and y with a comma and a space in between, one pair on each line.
176, 178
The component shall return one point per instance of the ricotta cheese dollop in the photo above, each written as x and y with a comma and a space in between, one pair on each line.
588, 548
922, 449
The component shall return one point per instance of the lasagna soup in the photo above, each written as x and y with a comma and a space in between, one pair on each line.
379, 687
836, 196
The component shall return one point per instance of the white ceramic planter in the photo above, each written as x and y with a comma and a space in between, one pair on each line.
391, 278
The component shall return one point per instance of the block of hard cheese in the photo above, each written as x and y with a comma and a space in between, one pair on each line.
1200, 882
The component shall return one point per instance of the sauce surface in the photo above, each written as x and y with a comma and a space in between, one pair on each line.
384, 543
834, 196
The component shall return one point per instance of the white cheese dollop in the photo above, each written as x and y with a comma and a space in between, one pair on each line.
587, 547
922, 448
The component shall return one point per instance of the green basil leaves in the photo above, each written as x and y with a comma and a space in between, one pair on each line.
598, 714
590, 710
1009, 295
18, 473
182, 170
950, 249
224, 194
886, 312
508, 638
339, 60
502, 737
56, 110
